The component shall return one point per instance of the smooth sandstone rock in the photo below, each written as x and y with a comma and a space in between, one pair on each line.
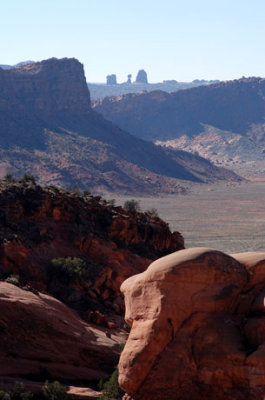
39, 332
191, 338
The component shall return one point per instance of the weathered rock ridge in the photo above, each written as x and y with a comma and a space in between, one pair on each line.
39, 224
197, 328
53, 326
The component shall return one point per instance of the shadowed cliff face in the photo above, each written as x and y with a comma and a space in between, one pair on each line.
47, 87
33, 97
197, 328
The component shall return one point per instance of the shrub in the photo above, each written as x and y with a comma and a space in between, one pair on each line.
4, 395
54, 391
69, 268
18, 392
14, 279
153, 213
28, 178
132, 206
9, 178
111, 389
121, 346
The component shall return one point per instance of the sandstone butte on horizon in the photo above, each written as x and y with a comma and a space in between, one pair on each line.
197, 322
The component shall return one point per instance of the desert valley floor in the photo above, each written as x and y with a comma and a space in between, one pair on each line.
227, 217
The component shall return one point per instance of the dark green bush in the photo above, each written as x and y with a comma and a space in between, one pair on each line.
111, 389
9, 178
28, 178
14, 279
4, 395
132, 206
69, 269
18, 392
54, 391
121, 346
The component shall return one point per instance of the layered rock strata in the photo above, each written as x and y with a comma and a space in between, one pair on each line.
197, 328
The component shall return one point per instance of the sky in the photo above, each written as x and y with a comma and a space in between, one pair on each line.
171, 39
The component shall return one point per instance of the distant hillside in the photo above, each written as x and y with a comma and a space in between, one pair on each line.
98, 90
224, 122
48, 128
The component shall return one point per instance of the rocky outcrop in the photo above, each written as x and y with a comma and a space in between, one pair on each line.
48, 87
111, 79
42, 339
59, 326
40, 224
197, 328
141, 76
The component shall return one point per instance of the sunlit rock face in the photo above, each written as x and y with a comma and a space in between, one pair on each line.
197, 322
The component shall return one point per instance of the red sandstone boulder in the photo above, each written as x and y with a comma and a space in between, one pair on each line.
197, 328
40, 335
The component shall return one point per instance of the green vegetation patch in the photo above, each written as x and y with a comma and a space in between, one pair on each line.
69, 269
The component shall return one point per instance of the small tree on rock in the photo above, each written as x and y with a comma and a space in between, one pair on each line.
28, 178
132, 206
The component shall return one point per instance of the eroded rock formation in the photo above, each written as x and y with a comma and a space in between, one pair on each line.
141, 76
111, 79
39, 224
197, 328
57, 327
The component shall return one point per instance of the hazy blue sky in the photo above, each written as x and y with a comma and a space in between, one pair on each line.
170, 39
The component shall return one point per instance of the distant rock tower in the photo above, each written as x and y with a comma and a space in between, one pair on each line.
111, 79
129, 80
141, 76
